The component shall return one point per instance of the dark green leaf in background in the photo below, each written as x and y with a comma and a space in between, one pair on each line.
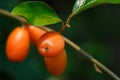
36, 13
81, 5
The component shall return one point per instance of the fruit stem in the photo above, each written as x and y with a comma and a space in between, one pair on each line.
67, 24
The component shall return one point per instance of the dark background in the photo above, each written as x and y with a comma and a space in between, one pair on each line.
96, 30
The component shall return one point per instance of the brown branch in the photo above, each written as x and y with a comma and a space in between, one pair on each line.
72, 44
20, 19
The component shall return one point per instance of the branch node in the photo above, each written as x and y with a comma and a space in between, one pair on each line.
97, 69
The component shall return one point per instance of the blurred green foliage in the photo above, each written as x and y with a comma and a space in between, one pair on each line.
96, 30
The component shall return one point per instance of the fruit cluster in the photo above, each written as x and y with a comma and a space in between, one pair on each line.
50, 45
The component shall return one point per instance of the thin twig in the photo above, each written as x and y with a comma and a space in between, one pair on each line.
66, 25
92, 59
20, 19
72, 44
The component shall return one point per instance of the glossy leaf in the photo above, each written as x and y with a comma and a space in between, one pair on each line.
81, 5
36, 13
78, 4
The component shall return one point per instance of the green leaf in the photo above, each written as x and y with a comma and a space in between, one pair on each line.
36, 13
112, 1
78, 6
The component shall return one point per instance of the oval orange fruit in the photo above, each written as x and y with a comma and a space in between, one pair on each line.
56, 65
50, 44
17, 45
35, 33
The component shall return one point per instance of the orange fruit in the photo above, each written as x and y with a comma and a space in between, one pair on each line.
17, 45
56, 65
35, 33
50, 44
